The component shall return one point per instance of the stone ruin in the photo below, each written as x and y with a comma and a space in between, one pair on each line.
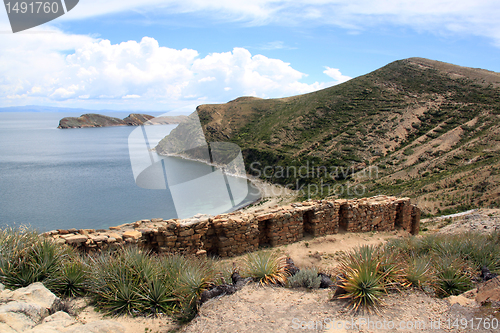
239, 232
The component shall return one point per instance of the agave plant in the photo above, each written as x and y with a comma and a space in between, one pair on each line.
40, 261
362, 278
195, 277
266, 267
156, 297
418, 272
72, 280
451, 276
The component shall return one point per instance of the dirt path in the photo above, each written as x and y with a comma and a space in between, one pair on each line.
266, 309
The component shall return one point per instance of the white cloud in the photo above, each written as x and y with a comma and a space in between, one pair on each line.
478, 17
62, 69
335, 74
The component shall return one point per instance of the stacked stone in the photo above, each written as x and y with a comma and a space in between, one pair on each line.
322, 217
404, 214
380, 213
235, 234
86, 239
415, 223
283, 226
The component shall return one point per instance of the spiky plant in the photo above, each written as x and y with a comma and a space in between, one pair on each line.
452, 282
452, 276
305, 278
156, 297
114, 285
40, 261
391, 268
418, 272
363, 285
266, 267
362, 278
195, 277
72, 280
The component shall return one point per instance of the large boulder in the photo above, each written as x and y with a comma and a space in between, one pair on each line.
36, 293
489, 292
31, 310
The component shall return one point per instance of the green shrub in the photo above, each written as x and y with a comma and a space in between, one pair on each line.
26, 258
418, 272
267, 267
72, 280
362, 277
306, 278
196, 276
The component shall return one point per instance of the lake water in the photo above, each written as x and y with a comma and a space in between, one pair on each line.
82, 178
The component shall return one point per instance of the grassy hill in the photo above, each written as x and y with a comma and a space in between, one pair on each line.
424, 129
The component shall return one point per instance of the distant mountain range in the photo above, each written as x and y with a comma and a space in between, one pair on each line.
39, 108
425, 129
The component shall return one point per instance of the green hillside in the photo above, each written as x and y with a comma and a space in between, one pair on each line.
424, 129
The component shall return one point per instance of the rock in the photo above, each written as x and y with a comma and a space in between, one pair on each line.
2, 288
223, 289
486, 274
75, 239
326, 282
36, 293
290, 267
489, 292
461, 300
201, 253
28, 312
19, 322
101, 326
4, 328
32, 311
187, 232
59, 321
238, 281
134, 234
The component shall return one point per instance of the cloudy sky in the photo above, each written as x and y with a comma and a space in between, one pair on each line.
165, 55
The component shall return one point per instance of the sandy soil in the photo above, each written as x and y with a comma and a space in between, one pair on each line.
87, 314
267, 309
271, 196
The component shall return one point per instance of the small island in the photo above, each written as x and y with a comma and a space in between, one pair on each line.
99, 120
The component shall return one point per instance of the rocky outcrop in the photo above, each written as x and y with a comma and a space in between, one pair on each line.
35, 309
98, 120
239, 232
489, 292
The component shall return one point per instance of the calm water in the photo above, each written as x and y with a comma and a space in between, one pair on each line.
82, 178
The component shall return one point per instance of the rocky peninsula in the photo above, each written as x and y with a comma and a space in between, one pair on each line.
134, 119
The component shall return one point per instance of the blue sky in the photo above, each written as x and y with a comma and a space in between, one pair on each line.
174, 55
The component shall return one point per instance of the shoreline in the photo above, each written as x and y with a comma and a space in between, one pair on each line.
270, 195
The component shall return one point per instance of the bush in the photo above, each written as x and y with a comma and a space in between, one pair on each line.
362, 278
266, 267
418, 272
306, 278
26, 258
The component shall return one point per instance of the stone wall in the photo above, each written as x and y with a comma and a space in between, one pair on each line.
239, 232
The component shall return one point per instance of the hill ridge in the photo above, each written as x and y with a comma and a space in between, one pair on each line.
423, 124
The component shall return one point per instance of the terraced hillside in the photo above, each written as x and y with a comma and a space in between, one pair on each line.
424, 129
